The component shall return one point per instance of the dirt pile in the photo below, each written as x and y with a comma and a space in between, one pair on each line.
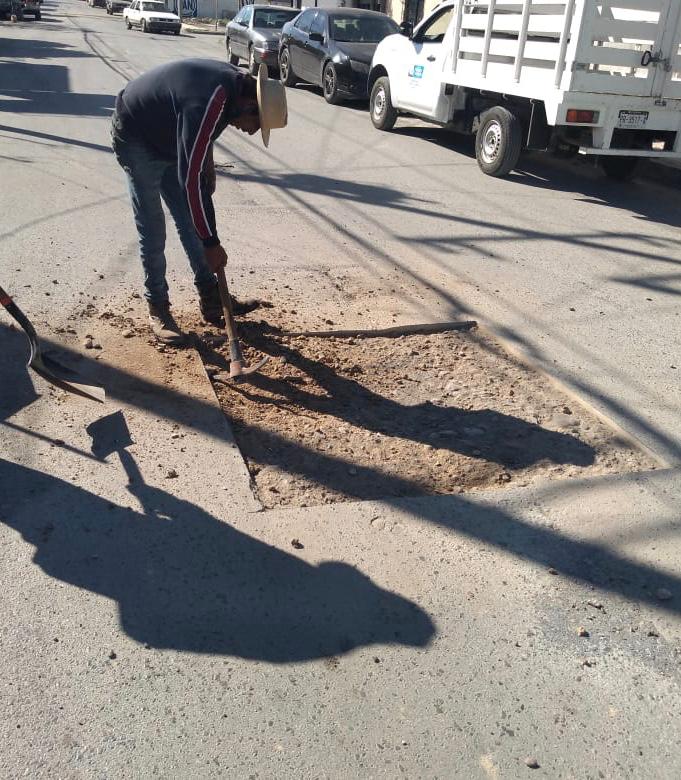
337, 419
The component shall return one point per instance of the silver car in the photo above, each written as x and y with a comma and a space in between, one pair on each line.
253, 35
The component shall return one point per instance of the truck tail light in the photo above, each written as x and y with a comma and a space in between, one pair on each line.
581, 116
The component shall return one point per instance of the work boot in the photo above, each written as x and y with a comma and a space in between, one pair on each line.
211, 306
164, 327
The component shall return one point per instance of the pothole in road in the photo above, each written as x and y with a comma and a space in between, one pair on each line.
348, 418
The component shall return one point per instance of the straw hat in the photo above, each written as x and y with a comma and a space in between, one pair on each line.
271, 104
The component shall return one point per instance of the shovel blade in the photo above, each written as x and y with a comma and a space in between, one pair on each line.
237, 372
60, 376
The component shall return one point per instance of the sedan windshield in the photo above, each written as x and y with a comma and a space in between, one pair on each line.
154, 5
273, 19
361, 29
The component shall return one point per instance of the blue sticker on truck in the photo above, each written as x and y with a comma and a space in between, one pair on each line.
416, 72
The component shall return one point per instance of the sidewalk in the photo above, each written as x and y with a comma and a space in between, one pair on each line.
203, 28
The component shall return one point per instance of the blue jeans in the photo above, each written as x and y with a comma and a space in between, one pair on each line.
151, 178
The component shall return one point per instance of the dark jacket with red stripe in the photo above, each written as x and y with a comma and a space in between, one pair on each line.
178, 110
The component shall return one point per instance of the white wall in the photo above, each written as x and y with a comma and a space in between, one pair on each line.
206, 8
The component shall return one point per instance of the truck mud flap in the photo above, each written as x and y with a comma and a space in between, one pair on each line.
538, 131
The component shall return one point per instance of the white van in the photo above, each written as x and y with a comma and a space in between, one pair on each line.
600, 77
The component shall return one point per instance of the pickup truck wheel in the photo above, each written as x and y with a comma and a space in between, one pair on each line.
330, 85
498, 142
231, 58
383, 115
618, 168
286, 74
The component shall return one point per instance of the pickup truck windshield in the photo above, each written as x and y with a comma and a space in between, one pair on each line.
361, 29
273, 20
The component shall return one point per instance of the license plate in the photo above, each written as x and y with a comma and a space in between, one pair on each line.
633, 119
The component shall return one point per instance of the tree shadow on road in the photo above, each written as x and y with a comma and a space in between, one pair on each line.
44, 89
36, 49
185, 580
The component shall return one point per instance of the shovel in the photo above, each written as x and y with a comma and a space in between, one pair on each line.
48, 368
237, 364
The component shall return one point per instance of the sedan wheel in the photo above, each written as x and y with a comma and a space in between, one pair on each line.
230, 57
127, 24
145, 29
252, 66
286, 74
330, 85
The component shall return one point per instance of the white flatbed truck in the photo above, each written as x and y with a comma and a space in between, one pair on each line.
600, 77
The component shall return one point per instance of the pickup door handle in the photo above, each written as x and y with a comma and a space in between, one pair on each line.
432, 58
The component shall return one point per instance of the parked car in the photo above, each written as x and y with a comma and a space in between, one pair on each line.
333, 49
20, 8
151, 16
116, 6
96, 3
253, 35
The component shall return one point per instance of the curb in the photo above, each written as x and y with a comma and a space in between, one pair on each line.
201, 30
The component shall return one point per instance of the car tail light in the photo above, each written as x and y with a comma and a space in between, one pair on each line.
581, 116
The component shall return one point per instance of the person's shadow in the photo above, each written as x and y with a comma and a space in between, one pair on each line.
185, 580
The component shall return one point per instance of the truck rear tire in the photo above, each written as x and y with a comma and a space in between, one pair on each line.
498, 142
619, 168
383, 114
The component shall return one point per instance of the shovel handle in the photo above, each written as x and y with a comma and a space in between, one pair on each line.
236, 356
16, 313
226, 301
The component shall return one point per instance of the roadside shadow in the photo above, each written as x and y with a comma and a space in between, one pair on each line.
16, 388
447, 139
338, 189
36, 49
664, 284
57, 139
583, 178
44, 89
186, 581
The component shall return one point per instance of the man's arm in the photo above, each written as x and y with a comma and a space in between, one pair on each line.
209, 171
196, 126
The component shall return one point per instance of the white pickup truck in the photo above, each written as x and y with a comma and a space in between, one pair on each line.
600, 77
151, 16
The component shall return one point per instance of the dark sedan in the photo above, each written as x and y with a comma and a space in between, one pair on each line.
253, 35
333, 49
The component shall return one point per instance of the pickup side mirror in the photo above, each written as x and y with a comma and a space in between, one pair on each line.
407, 28
317, 37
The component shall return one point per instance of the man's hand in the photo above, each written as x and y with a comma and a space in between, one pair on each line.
216, 257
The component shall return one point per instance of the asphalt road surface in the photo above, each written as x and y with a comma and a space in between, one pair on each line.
336, 221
